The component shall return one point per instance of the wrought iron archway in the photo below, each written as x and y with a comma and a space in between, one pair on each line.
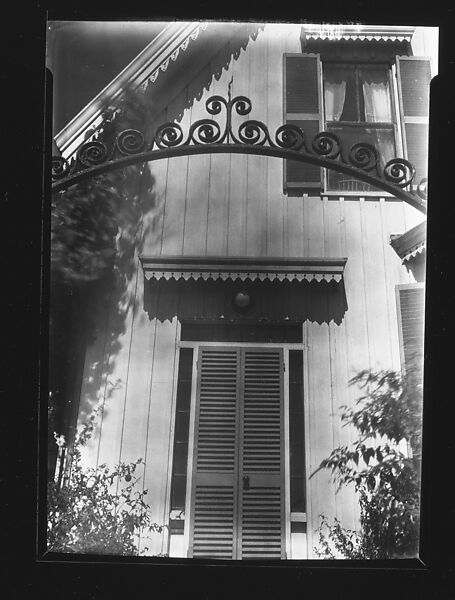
251, 137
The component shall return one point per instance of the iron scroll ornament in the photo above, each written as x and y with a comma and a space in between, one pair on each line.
251, 137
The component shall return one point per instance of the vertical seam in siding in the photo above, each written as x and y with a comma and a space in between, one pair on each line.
208, 206
166, 504
186, 179
129, 357
106, 357
331, 376
150, 394
362, 235
342, 215
165, 194
386, 283
103, 366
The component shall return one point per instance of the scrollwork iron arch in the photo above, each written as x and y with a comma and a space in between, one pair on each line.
361, 160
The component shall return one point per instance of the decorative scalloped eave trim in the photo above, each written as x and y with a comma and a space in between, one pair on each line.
174, 55
386, 38
204, 275
414, 252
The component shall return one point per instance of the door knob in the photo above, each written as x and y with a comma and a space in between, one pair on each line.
246, 482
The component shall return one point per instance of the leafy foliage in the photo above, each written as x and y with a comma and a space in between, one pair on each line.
386, 478
98, 510
86, 218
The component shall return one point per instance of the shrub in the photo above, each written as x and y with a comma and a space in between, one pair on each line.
386, 479
97, 510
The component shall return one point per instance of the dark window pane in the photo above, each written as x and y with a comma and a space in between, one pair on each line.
298, 527
181, 426
297, 494
185, 364
296, 366
180, 458
382, 138
295, 398
176, 526
297, 461
184, 395
297, 431
178, 492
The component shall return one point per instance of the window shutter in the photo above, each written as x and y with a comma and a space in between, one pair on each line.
237, 505
303, 108
213, 509
411, 317
414, 78
262, 456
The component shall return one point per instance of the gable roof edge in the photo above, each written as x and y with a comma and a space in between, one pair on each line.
147, 64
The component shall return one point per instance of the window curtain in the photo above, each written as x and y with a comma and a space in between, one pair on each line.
334, 100
376, 93
335, 79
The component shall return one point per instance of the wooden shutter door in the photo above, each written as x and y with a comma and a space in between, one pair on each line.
411, 318
414, 77
261, 485
303, 108
213, 528
237, 504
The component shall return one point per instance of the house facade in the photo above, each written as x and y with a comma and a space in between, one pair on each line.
257, 286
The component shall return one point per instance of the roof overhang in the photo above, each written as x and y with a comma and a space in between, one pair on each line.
153, 60
170, 58
243, 268
411, 243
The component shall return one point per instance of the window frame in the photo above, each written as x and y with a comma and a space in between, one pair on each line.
290, 517
395, 126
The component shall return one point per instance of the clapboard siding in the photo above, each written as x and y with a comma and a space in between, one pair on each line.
234, 205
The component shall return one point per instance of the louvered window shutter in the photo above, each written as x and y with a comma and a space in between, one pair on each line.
414, 77
411, 316
303, 108
213, 530
261, 531
237, 505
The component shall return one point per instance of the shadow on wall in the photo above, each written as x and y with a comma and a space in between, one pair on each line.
285, 301
113, 298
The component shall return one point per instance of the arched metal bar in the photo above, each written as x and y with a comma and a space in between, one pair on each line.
252, 137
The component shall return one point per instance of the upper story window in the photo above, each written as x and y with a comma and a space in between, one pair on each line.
358, 108
363, 90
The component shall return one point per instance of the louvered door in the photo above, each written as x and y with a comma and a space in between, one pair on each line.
214, 496
237, 504
261, 492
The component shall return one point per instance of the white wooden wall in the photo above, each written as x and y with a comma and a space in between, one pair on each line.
234, 205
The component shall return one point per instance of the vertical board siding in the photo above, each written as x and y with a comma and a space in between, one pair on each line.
94, 377
120, 325
176, 182
335, 245
237, 221
135, 422
275, 204
392, 223
257, 165
234, 205
218, 193
199, 172
375, 291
